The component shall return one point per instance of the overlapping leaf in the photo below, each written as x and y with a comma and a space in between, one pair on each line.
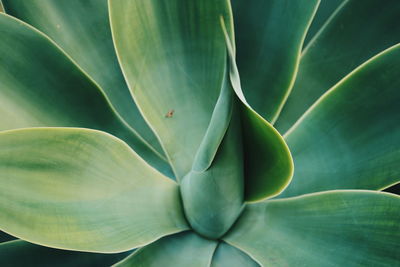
227, 256
19, 253
350, 138
213, 198
269, 36
173, 56
338, 228
82, 29
84, 190
357, 32
40, 86
184, 249
268, 163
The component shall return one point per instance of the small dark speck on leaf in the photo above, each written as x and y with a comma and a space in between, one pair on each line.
170, 114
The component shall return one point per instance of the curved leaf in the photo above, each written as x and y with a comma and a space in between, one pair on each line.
350, 138
358, 31
269, 37
213, 198
82, 29
227, 256
19, 253
219, 123
184, 249
173, 56
338, 228
268, 163
81, 189
4, 237
40, 86
325, 10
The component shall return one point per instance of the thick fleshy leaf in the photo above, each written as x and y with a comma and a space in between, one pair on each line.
84, 190
269, 37
40, 86
228, 256
337, 228
183, 249
19, 253
360, 30
268, 163
219, 123
213, 198
82, 29
173, 55
4, 237
350, 138
325, 10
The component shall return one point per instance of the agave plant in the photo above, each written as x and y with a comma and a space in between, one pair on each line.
199, 133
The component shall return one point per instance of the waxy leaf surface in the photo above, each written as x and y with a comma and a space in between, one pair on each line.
357, 32
183, 249
350, 138
20, 253
81, 189
337, 228
82, 29
269, 37
41, 86
228, 256
173, 56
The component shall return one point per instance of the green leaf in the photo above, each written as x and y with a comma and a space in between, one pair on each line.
228, 256
268, 163
173, 55
219, 123
338, 228
350, 138
326, 9
81, 189
358, 31
184, 249
82, 30
213, 198
19, 253
40, 86
4, 237
269, 37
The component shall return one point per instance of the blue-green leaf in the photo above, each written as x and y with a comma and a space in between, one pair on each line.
337, 228
269, 36
357, 32
41, 86
173, 56
350, 138
82, 30
19, 253
184, 249
85, 190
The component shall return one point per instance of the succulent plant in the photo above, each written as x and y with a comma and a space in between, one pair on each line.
199, 133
